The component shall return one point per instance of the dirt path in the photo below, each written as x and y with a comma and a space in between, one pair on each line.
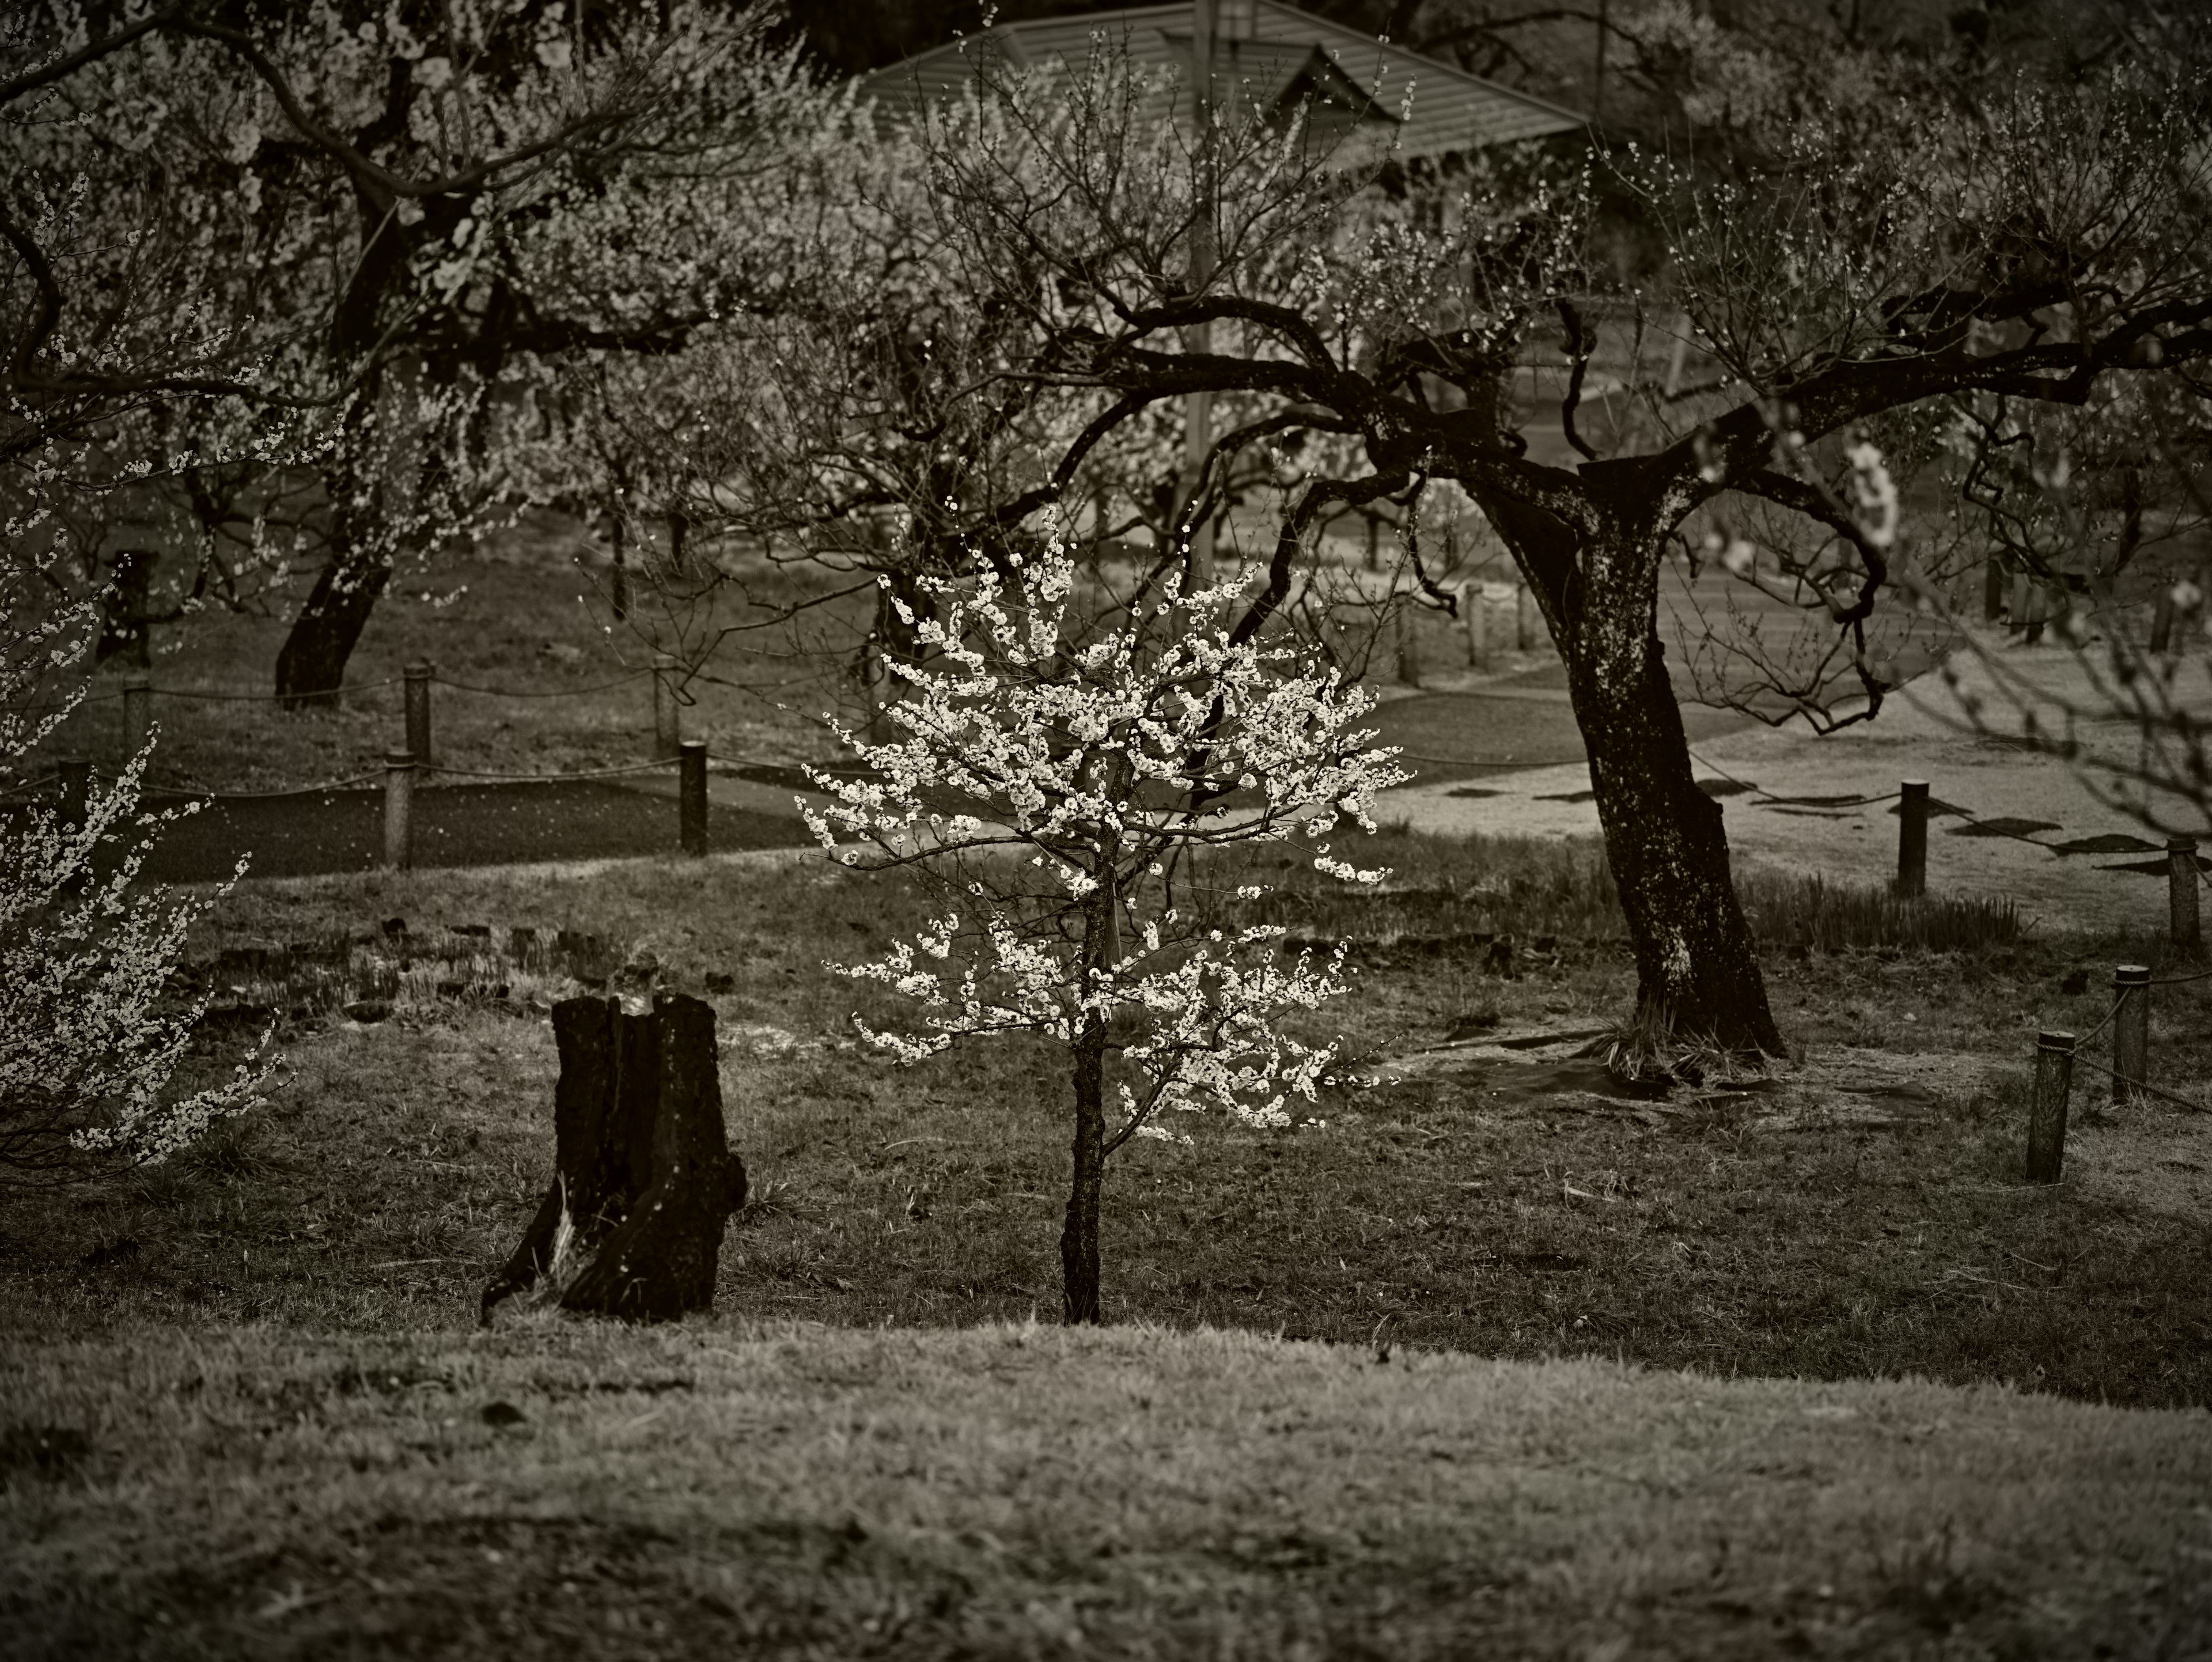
1986, 777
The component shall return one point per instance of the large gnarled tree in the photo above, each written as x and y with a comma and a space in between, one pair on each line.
2034, 247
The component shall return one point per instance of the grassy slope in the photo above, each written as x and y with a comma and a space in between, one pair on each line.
1017, 1491
1484, 1212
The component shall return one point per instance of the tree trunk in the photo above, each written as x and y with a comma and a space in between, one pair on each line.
1698, 971
311, 668
642, 1174
618, 578
1079, 1236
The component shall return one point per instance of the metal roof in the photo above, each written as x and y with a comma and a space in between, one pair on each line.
1264, 53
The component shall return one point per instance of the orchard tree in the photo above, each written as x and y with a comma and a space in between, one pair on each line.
2038, 246
1094, 743
392, 214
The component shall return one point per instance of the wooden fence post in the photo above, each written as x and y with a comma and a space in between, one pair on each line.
667, 717
2047, 1119
691, 798
1913, 838
1993, 587
75, 772
1528, 619
418, 711
2131, 1034
2161, 622
2183, 929
137, 712
398, 810
1404, 633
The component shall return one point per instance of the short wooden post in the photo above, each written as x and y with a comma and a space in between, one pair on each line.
2161, 622
667, 716
691, 797
2046, 1118
1403, 622
137, 712
1528, 619
76, 773
2131, 1034
418, 676
1498, 608
1913, 838
398, 810
1474, 617
2183, 929
1993, 588
1374, 542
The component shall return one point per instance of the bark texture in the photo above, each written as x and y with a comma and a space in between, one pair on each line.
642, 1171
1079, 1236
1696, 965
311, 666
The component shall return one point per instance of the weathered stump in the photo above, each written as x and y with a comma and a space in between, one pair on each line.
642, 1172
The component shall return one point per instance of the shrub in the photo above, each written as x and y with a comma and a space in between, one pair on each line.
90, 1035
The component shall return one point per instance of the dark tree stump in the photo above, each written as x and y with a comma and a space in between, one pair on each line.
642, 1167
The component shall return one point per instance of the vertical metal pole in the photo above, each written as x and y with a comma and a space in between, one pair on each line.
667, 717
418, 710
2131, 1034
2182, 928
1913, 838
691, 797
398, 810
137, 712
2046, 1120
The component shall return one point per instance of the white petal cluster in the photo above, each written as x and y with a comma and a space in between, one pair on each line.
1055, 774
90, 1033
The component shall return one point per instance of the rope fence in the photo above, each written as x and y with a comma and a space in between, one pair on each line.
69, 780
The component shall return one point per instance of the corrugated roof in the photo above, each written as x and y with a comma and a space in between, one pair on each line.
1428, 108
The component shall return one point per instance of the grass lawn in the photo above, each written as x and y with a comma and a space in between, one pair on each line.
519, 614
1021, 1491
901, 1219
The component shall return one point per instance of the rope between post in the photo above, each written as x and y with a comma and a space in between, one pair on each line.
271, 697
553, 693
2101, 1026
203, 793
2139, 1085
595, 773
1758, 796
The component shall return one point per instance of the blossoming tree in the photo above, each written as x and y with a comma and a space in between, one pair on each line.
1064, 753
91, 1036
2050, 242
